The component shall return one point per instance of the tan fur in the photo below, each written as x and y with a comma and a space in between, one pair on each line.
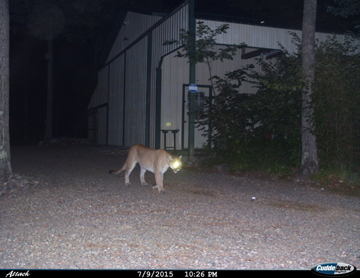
155, 161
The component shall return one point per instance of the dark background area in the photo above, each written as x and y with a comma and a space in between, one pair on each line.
76, 63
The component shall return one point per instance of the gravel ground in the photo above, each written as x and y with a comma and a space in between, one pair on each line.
79, 216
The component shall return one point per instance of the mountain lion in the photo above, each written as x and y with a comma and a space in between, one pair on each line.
155, 161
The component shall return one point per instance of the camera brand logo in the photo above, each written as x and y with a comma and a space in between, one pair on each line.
337, 269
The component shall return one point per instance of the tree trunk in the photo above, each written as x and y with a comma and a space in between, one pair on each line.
309, 160
5, 160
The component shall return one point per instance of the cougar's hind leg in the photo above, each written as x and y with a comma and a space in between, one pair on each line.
142, 177
128, 171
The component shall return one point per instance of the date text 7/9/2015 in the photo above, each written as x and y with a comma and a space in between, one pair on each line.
176, 274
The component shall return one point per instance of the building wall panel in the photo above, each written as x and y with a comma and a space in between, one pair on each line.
126, 79
100, 95
135, 94
168, 30
175, 75
102, 120
116, 101
262, 36
221, 68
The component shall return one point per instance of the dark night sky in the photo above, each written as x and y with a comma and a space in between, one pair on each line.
75, 69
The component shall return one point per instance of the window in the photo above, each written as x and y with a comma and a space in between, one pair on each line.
199, 104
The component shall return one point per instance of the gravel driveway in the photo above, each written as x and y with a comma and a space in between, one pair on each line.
79, 216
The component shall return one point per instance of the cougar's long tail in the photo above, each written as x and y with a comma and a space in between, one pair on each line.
115, 172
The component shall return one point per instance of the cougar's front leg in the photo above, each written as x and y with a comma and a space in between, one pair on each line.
159, 182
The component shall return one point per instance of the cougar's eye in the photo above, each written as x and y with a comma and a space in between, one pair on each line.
176, 164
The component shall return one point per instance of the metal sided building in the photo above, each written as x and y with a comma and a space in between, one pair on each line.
142, 88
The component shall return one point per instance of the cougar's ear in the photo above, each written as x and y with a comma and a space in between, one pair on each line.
180, 157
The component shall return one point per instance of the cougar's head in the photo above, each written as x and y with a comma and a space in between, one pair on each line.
175, 163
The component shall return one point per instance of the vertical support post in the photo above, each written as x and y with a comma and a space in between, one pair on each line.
192, 28
148, 90
108, 107
158, 106
124, 101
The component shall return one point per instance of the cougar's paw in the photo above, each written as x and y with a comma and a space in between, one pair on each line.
128, 184
163, 191
144, 184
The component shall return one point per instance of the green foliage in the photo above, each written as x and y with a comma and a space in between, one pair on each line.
265, 155
225, 118
263, 131
204, 50
265, 128
260, 131
346, 9
337, 102
339, 179
277, 105
204, 44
